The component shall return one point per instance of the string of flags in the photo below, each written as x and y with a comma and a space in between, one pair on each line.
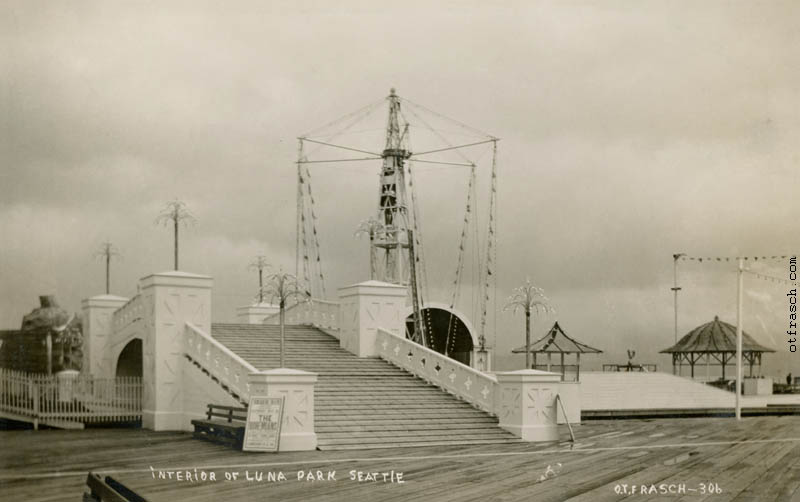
701, 259
491, 251
771, 278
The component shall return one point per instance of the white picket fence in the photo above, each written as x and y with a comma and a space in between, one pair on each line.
69, 401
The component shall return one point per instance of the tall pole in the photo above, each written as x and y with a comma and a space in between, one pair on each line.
419, 334
739, 338
260, 285
283, 308
176, 242
528, 339
108, 268
675, 290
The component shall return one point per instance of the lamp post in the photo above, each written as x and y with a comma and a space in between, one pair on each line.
740, 284
675, 290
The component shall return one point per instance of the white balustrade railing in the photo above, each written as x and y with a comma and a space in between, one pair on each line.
318, 313
469, 384
75, 397
128, 313
220, 362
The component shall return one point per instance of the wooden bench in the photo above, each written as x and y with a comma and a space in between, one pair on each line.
229, 431
109, 489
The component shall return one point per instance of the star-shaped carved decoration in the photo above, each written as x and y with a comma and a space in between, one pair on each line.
385, 344
437, 368
422, 361
452, 376
543, 404
396, 350
468, 383
485, 392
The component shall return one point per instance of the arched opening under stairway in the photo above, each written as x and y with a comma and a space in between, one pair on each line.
446, 333
129, 362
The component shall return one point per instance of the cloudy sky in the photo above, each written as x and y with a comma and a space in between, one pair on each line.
629, 131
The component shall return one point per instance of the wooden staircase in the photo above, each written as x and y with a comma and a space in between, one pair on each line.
364, 402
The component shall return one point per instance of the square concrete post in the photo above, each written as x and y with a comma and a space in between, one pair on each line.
97, 313
297, 389
170, 299
364, 308
256, 313
526, 404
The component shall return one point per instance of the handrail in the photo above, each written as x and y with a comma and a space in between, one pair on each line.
318, 313
220, 362
469, 384
74, 398
133, 310
566, 418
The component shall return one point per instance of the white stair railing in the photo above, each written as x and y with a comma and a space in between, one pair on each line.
318, 313
230, 370
467, 383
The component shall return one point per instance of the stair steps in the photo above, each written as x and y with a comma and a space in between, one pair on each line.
362, 403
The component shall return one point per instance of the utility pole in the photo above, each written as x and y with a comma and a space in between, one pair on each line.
739, 289
675, 290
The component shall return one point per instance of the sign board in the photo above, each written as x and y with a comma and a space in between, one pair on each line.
263, 427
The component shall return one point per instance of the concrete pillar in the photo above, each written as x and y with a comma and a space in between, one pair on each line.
170, 300
255, 314
365, 307
97, 314
526, 404
297, 389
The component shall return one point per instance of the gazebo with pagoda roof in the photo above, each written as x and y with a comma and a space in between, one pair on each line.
714, 341
558, 342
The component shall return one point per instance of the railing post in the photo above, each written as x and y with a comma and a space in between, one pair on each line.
35, 395
297, 389
527, 404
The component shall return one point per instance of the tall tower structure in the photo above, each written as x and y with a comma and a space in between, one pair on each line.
392, 243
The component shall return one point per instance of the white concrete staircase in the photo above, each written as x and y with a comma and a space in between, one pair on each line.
364, 402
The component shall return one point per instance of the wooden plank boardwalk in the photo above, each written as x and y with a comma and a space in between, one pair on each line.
755, 459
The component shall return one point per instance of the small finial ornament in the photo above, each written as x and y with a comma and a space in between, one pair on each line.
392, 92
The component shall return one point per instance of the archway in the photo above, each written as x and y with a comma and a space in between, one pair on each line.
446, 332
129, 362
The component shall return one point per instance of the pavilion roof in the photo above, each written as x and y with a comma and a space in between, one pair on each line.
556, 341
715, 336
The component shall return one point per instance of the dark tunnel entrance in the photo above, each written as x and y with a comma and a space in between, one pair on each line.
446, 333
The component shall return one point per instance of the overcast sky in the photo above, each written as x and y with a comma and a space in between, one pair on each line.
629, 131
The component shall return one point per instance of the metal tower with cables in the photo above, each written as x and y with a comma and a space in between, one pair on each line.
392, 242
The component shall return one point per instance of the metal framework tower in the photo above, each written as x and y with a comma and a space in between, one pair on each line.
392, 242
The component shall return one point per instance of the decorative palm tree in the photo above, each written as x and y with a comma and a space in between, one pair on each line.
260, 264
175, 212
282, 287
107, 251
528, 298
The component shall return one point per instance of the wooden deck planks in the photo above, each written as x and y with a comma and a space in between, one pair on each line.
609, 452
